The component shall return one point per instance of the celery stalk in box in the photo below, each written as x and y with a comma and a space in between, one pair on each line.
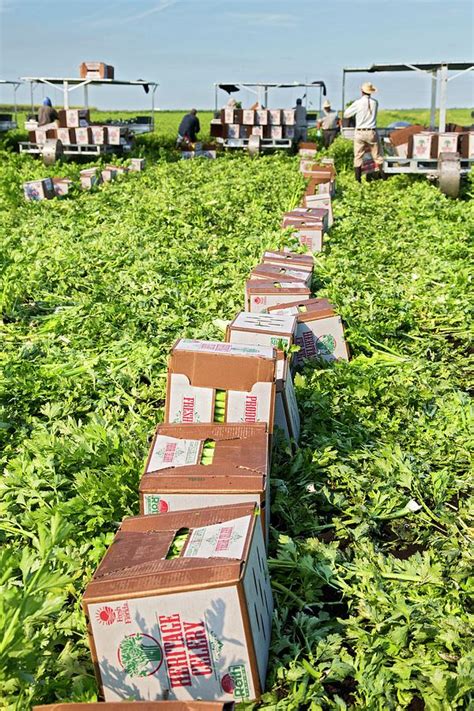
210, 381
181, 607
196, 466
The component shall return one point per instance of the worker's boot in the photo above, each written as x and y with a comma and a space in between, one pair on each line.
358, 174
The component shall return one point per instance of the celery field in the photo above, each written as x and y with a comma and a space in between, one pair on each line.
371, 538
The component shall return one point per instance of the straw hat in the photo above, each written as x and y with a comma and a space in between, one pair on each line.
368, 88
327, 104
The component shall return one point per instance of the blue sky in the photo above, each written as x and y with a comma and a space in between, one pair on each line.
186, 45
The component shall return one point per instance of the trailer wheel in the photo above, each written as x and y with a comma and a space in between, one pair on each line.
449, 172
52, 151
254, 145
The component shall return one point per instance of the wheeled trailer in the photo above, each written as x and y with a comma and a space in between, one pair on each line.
448, 168
53, 149
9, 121
255, 144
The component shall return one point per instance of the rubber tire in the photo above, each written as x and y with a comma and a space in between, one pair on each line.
449, 172
254, 145
52, 151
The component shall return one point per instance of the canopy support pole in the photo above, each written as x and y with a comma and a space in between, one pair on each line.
86, 96
343, 90
443, 90
434, 80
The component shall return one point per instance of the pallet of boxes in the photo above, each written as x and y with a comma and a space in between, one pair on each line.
236, 127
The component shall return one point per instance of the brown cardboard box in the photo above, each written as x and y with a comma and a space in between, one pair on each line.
275, 117
310, 214
90, 177
217, 129
61, 186
321, 186
175, 479
448, 142
83, 136
41, 135
307, 150
197, 369
113, 135
73, 118
310, 169
288, 117
319, 331
232, 130
231, 115
276, 133
304, 262
140, 706
35, 190
99, 135
276, 272
119, 169
260, 294
196, 625
248, 117
400, 136
137, 164
67, 136
262, 117
321, 201
96, 70
466, 145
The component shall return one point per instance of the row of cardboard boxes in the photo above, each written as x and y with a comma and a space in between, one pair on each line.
48, 188
97, 135
233, 130
417, 142
258, 117
181, 604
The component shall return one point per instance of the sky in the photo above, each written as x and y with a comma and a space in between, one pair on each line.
187, 45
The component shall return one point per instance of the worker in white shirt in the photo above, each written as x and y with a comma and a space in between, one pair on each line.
365, 138
301, 123
329, 123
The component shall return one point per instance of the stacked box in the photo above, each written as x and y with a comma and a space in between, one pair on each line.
113, 135
248, 117
73, 118
275, 272
41, 135
447, 143
96, 70
196, 466
139, 706
89, 178
137, 164
277, 331
288, 117
108, 175
303, 262
320, 200
99, 135
261, 117
399, 138
261, 294
319, 332
309, 224
277, 124
83, 136
35, 190
67, 136
420, 145
307, 150
183, 622
61, 186
209, 381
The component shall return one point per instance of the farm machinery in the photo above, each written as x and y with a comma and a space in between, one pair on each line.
444, 153
52, 147
261, 128
8, 121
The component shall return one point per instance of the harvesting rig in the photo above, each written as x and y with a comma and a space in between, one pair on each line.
443, 157
8, 121
53, 148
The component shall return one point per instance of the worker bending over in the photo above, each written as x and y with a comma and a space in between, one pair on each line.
46, 114
329, 124
188, 128
365, 138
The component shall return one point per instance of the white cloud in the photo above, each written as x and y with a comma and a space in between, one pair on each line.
157, 7
264, 19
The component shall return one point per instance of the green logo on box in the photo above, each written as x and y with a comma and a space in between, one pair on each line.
140, 654
241, 684
326, 344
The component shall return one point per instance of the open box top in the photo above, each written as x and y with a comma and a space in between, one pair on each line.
262, 286
305, 260
278, 325
240, 461
307, 310
277, 272
135, 564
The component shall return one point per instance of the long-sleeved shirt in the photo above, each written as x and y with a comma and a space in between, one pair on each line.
46, 114
189, 126
365, 112
329, 120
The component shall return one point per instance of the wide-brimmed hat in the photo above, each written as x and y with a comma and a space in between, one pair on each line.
327, 104
368, 88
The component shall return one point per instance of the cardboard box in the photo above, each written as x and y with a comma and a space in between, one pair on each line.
310, 169
233, 130
231, 115
99, 135
73, 118
137, 165
276, 133
399, 138
119, 169
245, 131
309, 229
314, 214
41, 135
289, 132
262, 117
175, 479
421, 145
62, 186
108, 175
275, 272
466, 145
89, 178
217, 128
287, 407
83, 136
307, 150
198, 369
248, 117
67, 136
448, 142
303, 262
140, 706
275, 117
258, 131
192, 626
320, 200
319, 331
260, 294
113, 135
35, 190
289, 117
96, 70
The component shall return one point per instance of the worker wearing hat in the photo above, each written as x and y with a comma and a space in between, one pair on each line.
329, 123
47, 113
365, 138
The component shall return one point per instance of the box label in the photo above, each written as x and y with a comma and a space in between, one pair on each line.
226, 348
221, 540
321, 338
188, 645
173, 452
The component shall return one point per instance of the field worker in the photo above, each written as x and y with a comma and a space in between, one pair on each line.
301, 124
188, 128
365, 138
46, 114
329, 123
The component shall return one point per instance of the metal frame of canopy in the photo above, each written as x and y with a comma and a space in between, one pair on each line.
8, 125
439, 75
260, 89
69, 84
